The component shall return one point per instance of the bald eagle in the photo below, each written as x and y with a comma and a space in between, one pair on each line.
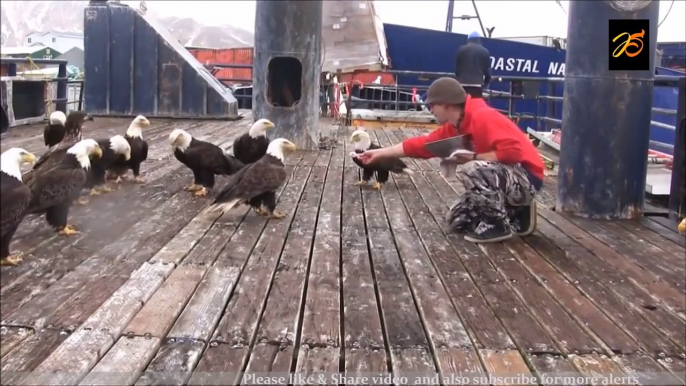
55, 129
362, 142
256, 184
113, 149
54, 187
251, 146
72, 135
15, 199
203, 158
139, 151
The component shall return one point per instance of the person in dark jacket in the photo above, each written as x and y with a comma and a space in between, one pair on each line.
473, 66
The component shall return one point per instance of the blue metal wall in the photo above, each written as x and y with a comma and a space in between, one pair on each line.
134, 66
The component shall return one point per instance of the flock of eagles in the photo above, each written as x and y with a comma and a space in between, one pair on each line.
255, 168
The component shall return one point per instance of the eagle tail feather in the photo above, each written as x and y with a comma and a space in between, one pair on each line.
222, 206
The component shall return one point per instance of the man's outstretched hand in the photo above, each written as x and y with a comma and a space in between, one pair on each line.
370, 156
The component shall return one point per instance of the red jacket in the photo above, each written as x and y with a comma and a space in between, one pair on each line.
489, 130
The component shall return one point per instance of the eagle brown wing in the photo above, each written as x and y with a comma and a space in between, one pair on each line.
15, 199
252, 180
55, 186
49, 159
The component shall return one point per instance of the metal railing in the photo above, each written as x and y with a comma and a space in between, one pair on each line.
69, 92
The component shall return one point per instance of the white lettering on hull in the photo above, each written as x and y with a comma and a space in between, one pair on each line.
525, 65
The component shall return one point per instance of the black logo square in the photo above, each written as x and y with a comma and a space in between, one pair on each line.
629, 45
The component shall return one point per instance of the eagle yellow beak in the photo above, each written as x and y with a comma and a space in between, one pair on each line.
28, 158
354, 138
97, 152
128, 156
290, 146
269, 125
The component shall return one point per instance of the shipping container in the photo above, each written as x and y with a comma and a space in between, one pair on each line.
234, 76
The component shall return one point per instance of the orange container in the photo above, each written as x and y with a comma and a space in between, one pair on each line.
367, 78
227, 56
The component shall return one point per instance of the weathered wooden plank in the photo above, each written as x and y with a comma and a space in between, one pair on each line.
173, 364
220, 364
322, 314
201, 315
580, 307
159, 314
312, 361
667, 223
362, 322
550, 368
667, 253
270, 358
427, 212
211, 245
652, 237
567, 334
404, 330
85, 302
185, 240
599, 367
644, 370
663, 232
124, 362
242, 313
20, 362
39, 311
365, 362
677, 366
10, 337
118, 310
634, 298
628, 320
441, 320
521, 325
459, 361
72, 360
503, 363
281, 315
638, 262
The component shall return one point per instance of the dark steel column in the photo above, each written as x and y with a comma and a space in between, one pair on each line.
286, 30
606, 116
677, 193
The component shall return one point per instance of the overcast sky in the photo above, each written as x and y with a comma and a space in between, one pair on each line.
511, 18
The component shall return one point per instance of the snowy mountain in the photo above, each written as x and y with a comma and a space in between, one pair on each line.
20, 18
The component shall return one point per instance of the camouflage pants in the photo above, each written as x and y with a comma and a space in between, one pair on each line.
493, 191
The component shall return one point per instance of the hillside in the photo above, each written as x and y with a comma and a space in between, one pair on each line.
19, 18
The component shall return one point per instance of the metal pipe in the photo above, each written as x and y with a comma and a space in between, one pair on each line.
677, 194
607, 117
664, 111
662, 125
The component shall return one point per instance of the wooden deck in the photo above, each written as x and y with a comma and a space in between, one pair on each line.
352, 281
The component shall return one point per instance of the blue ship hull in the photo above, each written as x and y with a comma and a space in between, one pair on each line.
416, 49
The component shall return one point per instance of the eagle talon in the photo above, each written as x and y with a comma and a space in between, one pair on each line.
82, 201
201, 193
94, 192
360, 183
277, 215
193, 188
377, 186
12, 260
260, 211
107, 189
139, 180
69, 230
118, 180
